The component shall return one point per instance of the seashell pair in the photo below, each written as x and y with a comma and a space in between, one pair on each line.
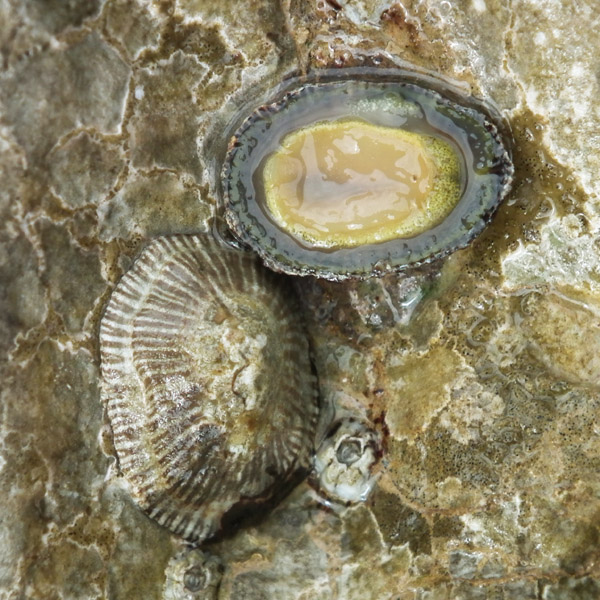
207, 375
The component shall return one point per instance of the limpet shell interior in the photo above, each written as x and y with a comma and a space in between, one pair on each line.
254, 191
348, 183
207, 382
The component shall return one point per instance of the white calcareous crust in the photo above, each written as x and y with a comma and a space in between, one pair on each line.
207, 382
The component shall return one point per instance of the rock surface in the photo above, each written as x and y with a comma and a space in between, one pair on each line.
480, 375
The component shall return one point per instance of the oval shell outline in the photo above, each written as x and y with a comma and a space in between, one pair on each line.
262, 129
207, 383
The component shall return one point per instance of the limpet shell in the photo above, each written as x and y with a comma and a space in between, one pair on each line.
280, 190
207, 382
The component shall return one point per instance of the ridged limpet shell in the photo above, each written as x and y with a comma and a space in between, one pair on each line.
352, 175
207, 382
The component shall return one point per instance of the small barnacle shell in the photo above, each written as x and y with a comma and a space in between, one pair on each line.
193, 575
207, 382
345, 462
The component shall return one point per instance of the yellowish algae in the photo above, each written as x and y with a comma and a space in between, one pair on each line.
345, 183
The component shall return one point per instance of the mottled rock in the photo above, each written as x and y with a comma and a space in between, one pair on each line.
478, 376
72, 276
157, 204
54, 16
84, 170
22, 296
563, 332
135, 25
164, 126
83, 85
50, 481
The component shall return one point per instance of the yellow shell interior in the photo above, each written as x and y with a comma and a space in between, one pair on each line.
342, 184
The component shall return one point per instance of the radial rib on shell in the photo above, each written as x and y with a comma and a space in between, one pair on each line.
207, 383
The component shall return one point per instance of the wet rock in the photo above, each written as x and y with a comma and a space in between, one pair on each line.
83, 85
479, 378
54, 16
158, 204
164, 125
72, 275
84, 170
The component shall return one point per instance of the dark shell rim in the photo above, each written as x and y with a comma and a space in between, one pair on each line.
494, 124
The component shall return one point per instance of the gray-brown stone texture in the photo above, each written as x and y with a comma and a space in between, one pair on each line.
481, 375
